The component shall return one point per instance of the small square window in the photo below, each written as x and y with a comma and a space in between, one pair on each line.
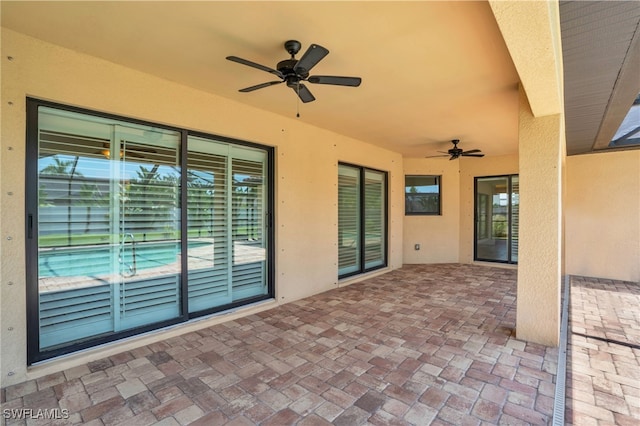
422, 195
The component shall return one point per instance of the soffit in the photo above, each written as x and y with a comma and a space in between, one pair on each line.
601, 57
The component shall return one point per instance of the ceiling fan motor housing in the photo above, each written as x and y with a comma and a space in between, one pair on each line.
291, 76
292, 80
455, 151
292, 46
288, 66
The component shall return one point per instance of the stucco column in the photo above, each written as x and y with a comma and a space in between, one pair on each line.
541, 158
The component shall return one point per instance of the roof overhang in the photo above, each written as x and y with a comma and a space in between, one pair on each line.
601, 56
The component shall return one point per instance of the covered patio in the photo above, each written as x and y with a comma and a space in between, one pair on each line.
260, 263
424, 344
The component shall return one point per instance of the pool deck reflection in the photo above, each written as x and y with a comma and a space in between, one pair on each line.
199, 257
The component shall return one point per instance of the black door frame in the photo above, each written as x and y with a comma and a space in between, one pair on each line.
509, 179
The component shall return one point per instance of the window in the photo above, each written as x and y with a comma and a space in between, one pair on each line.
362, 219
133, 227
422, 195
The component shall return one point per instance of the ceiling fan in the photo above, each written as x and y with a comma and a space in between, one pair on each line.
132, 150
294, 71
456, 152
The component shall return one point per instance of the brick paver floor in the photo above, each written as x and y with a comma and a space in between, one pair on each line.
425, 344
603, 353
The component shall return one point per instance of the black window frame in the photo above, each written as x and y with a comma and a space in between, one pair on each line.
34, 354
423, 213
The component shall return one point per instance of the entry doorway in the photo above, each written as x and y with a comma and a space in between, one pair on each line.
497, 205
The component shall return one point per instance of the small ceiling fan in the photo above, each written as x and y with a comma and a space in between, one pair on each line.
456, 152
294, 71
133, 150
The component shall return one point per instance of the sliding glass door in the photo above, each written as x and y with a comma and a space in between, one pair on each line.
362, 219
116, 247
496, 218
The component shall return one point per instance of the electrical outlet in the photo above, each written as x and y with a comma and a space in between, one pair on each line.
416, 247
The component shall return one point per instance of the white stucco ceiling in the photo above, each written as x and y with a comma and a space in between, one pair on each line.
431, 71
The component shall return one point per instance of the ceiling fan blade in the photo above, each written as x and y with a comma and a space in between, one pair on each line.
254, 65
259, 86
472, 151
338, 81
311, 57
304, 93
435, 156
464, 154
453, 157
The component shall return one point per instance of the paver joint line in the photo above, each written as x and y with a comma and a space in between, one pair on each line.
604, 339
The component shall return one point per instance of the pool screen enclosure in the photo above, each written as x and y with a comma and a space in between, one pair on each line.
133, 226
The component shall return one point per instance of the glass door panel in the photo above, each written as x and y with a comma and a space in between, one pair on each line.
374, 218
494, 219
209, 247
248, 223
348, 219
226, 223
149, 226
74, 241
108, 228
515, 214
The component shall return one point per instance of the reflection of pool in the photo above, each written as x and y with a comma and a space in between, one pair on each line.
93, 261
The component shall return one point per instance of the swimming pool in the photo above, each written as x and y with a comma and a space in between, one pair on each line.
93, 261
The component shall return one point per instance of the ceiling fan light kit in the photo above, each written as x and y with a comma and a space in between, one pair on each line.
456, 152
294, 71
